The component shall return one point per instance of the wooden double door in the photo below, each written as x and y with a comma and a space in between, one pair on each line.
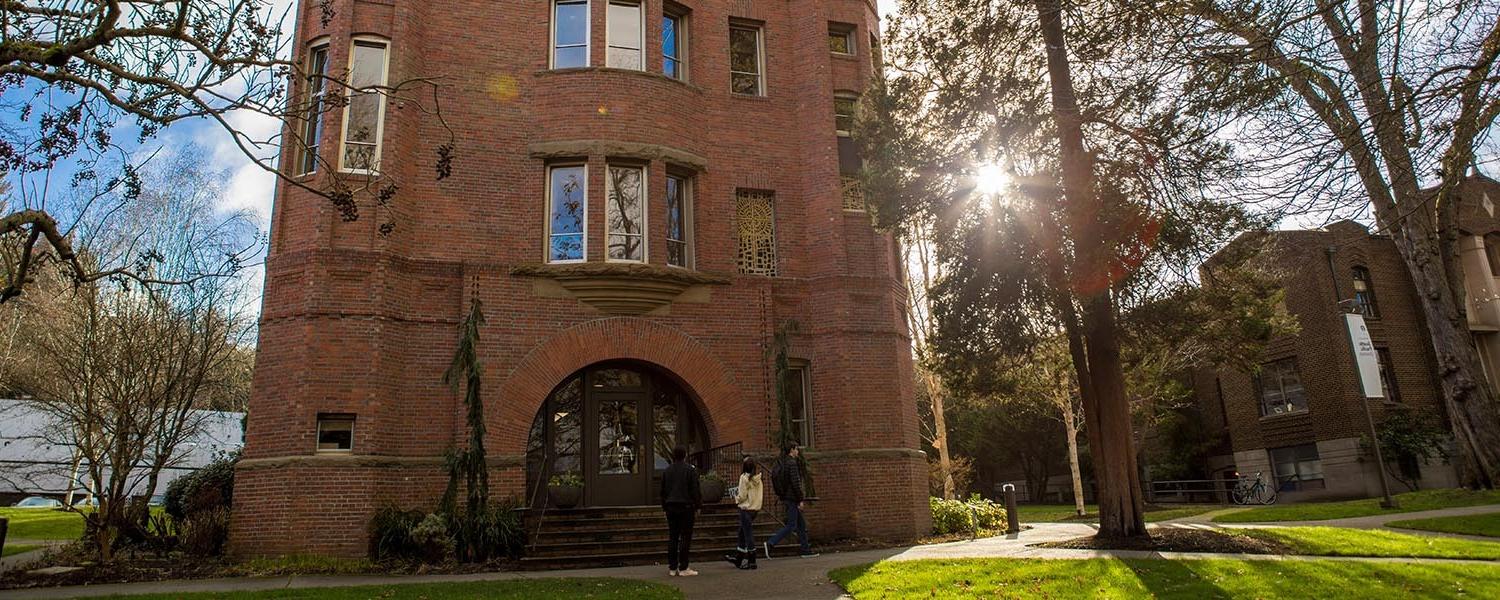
614, 424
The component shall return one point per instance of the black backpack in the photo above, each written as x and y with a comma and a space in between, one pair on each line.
781, 481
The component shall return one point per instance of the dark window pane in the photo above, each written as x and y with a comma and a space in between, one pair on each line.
664, 434
567, 427
335, 433
617, 378
617, 437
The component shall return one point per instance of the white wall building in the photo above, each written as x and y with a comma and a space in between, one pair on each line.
36, 461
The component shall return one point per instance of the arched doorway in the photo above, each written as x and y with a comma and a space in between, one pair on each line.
614, 424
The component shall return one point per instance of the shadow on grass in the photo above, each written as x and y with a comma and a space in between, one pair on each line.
1173, 579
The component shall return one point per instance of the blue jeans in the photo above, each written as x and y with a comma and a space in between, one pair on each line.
795, 521
746, 539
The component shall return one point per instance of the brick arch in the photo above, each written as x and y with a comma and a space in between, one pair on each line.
706, 380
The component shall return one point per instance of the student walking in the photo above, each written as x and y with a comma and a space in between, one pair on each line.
748, 496
680, 499
786, 480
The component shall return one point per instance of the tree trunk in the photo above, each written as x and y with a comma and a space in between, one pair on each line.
1070, 424
940, 436
1121, 506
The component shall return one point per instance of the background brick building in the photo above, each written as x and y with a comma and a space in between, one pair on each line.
640, 204
1301, 418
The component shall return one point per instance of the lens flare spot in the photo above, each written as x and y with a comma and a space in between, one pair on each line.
504, 88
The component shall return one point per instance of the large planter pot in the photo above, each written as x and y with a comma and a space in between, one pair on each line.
565, 496
713, 491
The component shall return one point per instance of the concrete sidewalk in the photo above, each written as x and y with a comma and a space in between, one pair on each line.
1381, 522
782, 578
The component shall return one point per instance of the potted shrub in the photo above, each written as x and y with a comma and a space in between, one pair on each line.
565, 490
712, 487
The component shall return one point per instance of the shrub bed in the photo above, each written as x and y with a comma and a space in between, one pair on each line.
958, 516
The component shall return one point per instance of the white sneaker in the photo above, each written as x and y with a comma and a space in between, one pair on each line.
686, 573
672, 572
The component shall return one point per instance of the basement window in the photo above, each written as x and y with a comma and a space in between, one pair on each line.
335, 433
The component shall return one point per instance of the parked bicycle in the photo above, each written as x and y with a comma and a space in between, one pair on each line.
1253, 491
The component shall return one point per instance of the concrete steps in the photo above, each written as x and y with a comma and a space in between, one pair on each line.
630, 535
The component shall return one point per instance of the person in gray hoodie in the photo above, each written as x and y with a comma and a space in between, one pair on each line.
748, 496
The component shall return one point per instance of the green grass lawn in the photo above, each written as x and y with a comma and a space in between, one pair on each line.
1322, 511
1486, 524
1053, 513
1195, 579
43, 524
520, 589
17, 549
1336, 541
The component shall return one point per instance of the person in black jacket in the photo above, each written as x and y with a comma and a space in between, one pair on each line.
680, 499
786, 480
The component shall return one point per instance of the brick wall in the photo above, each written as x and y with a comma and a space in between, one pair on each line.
356, 322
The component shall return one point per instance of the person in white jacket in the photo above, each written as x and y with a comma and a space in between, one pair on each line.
748, 496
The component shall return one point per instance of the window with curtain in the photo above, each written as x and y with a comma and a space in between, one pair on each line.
626, 33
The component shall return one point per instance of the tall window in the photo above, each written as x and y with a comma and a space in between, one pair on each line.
673, 46
844, 107
1297, 467
626, 214
1281, 389
568, 207
679, 205
755, 225
364, 116
850, 188
312, 128
570, 33
746, 65
1388, 386
841, 39
798, 389
1492, 252
626, 32
875, 62
1364, 293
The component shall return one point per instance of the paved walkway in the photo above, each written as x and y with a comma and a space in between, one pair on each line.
7, 562
782, 578
1381, 521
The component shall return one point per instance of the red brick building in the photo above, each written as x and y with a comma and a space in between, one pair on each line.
644, 191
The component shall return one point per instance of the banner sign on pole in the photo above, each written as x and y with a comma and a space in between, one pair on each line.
1364, 355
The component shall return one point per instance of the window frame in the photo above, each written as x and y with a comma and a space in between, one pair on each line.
1260, 387
807, 437
316, 97
760, 58
588, 34
847, 32
640, 23
385, 77
1365, 300
547, 239
322, 418
853, 100
685, 197
645, 234
1388, 384
1297, 483
680, 16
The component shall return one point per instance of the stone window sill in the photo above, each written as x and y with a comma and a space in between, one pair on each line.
619, 288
